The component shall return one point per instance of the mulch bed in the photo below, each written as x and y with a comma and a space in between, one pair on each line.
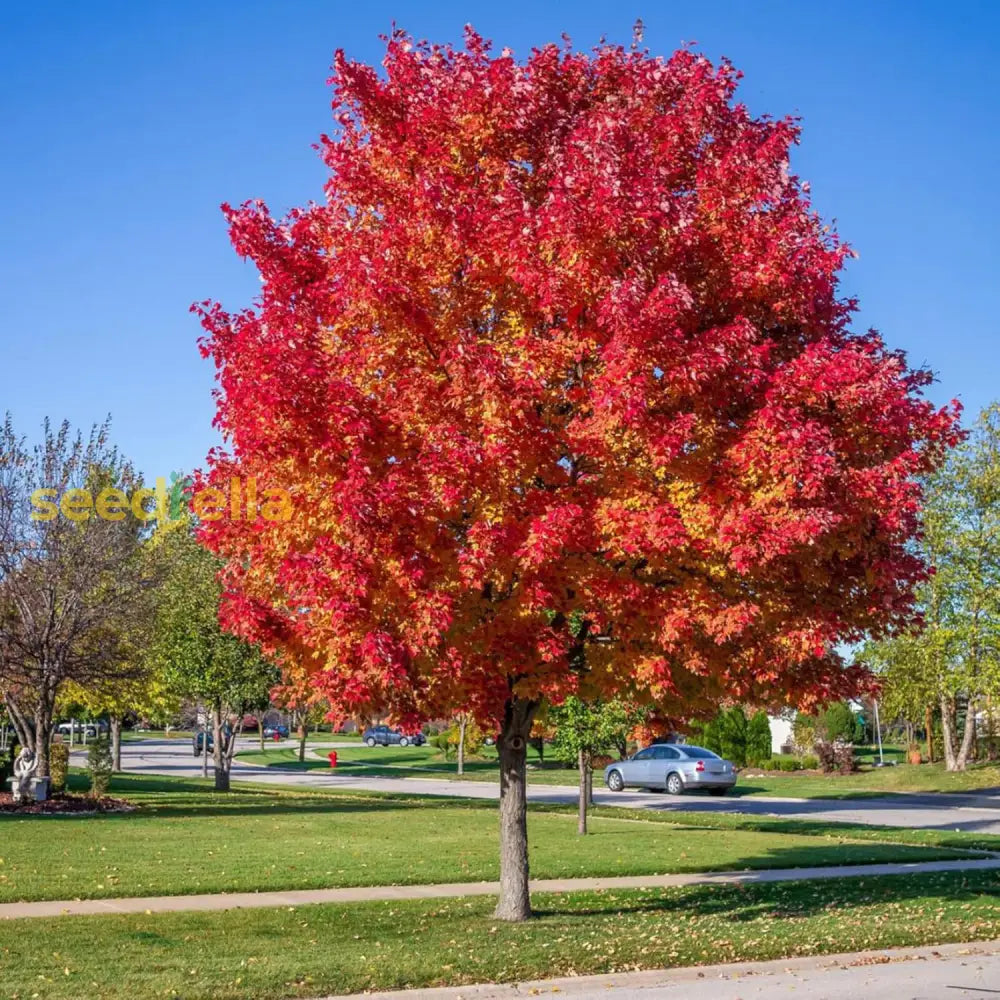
60, 805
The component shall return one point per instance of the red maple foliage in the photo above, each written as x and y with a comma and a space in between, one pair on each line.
566, 398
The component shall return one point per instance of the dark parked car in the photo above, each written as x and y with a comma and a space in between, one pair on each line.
203, 736
383, 736
277, 730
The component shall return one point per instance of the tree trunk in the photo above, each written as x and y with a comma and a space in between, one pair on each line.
514, 902
115, 726
590, 782
462, 724
581, 823
968, 737
929, 726
303, 733
260, 730
43, 737
219, 752
23, 726
948, 732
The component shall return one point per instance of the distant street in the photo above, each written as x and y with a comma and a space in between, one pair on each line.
972, 813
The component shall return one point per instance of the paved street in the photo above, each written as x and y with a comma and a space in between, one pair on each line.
953, 971
949, 812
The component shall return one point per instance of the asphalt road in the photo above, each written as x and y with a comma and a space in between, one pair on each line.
974, 813
951, 971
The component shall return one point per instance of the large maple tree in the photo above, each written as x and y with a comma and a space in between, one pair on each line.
567, 400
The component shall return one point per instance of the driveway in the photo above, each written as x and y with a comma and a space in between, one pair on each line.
980, 814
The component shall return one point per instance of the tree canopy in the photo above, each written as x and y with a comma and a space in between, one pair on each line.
567, 401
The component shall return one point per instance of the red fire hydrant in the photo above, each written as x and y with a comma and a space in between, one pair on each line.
277, 736
333, 758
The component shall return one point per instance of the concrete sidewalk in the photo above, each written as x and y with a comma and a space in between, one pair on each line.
947, 970
360, 894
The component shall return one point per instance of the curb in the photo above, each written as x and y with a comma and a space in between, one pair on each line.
709, 976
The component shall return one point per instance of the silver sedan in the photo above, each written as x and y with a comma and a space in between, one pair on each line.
673, 766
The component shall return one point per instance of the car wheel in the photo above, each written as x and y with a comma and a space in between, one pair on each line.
404, 741
674, 784
718, 791
370, 741
615, 781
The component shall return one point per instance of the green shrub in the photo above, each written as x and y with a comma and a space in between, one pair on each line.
838, 722
441, 742
733, 735
58, 766
758, 740
789, 764
100, 763
810, 762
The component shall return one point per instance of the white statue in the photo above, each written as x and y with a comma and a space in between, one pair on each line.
24, 770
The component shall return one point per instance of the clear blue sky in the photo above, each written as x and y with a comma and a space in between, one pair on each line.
123, 125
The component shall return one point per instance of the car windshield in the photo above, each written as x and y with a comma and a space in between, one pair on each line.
699, 753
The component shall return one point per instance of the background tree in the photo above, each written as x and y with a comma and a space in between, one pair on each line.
954, 658
305, 705
197, 658
838, 722
75, 587
908, 682
560, 383
142, 691
465, 736
585, 730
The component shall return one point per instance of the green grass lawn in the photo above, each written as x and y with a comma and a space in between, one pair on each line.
309, 951
183, 838
428, 762
327, 737
877, 781
133, 735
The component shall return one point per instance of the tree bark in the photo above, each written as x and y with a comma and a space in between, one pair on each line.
929, 727
514, 902
115, 726
462, 724
219, 752
24, 727
43, 737
581, 822
303, 733
949, 722
968, 736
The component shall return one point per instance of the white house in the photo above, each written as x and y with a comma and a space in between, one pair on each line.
781, 732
